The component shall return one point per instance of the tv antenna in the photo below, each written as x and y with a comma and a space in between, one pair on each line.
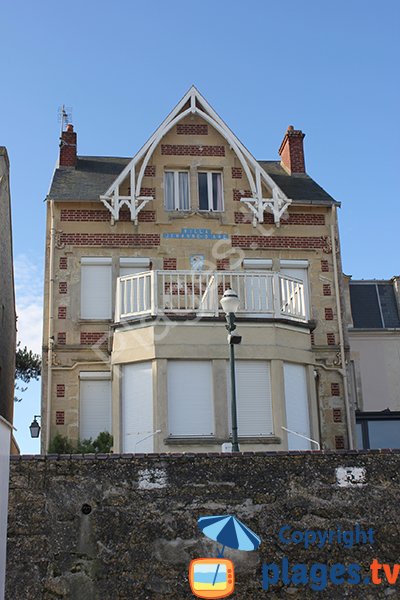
64, 116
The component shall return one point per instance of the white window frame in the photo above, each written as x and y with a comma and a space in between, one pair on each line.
210, 190
177, 206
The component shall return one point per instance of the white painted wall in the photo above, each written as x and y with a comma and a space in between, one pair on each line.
137, 407
5, 440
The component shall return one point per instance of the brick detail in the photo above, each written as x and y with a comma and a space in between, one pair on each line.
339, 442
191, 129
62, 312
255, 241
68, 147
60, 390
337, 415
147, 216
182, 150
148, 191
150, 171
63, 263
223, 264
169, 264
237, 194
63, 287
99, 215
90, 338
237, 173
291, 150
329, 314
324, 266
60, 417
326, 289
335, 389
61, 338
312, 339
111, 240
330, 339
291, 219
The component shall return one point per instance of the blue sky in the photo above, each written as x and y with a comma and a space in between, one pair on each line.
329, 68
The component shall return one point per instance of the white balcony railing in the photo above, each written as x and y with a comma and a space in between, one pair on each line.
261, 294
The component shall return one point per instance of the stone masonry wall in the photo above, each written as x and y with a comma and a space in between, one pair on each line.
121, 526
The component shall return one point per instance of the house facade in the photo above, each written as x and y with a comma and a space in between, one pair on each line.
138, 254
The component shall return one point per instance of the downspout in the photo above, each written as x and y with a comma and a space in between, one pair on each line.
50, 340
341, 338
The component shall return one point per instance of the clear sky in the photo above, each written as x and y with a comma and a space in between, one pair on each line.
329, 68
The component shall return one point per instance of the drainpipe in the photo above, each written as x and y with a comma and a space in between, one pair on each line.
341, 337
50, 337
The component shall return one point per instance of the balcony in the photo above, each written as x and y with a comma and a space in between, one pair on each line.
192, 293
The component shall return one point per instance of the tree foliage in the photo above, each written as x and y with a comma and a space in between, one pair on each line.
62, 445
27, 366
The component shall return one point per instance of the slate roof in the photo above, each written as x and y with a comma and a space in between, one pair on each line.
373, 305
93, 175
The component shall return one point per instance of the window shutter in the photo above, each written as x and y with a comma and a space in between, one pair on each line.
95, 406
95, 288
137, 407
253, 398
296, 402
131, 266
190, 398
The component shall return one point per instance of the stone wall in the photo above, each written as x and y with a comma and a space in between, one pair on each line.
119, 527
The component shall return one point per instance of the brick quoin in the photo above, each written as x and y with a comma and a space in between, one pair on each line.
254, 241
330, 339
337, 415
237, 194
63, 263
61, 338
237, 173
324, 266
62, 312
90, 338
292, 219
326, 289
63, 287
223, 264
169, 264
191, 129
312, 340
60, 417
150, 171
111, 240
339, 442
60, 390
329, 314
181, 150
335, 389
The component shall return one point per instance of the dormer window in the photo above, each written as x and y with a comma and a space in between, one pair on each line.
210, 191
176, 190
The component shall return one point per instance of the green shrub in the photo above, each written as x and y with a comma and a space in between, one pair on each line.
62, 445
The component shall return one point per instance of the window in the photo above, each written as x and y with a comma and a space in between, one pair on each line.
210, 191
176, 190
299, 270
96, 288
190, 398
296, 402
253, 398
378, 429
135, 294
95, 403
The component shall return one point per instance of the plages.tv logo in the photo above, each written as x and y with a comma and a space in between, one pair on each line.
215, 577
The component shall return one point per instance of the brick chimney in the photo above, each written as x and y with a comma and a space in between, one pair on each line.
291, 151
68, 147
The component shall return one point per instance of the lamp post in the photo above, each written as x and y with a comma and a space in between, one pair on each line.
35, 427
230, 304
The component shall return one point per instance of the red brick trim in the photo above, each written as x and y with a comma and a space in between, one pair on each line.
237, 194
255, 241
291, 219
312, 339
62, 312
182, 150
63, 287
111, 240
90, 338
223, 264
337, 415
191, 129
169, 264
61, 338
324, 266
150, 171
330, 339
335, 389
99, 215
329, 314
237, 173
339, 442
326, 289
60, 390
63, 264
60, 417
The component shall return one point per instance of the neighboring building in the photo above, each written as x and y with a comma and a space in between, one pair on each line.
140, 250
374, 335
7, 351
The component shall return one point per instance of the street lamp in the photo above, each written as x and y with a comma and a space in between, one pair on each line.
35, 427
230, 304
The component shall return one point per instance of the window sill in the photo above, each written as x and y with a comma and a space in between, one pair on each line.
95, 321
204, 441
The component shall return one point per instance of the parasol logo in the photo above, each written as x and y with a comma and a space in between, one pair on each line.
215, 577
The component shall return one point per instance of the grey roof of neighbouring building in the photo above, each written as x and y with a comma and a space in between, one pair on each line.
373, 305
93, 175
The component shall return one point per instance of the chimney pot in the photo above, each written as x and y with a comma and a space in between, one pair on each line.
291, 151
70, 127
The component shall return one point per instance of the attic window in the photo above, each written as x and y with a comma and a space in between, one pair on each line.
176, 190
210, 191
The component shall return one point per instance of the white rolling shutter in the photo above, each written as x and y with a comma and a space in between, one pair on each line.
96, 288
95, 404
190, 398
299, 270
253, 398
296, 401
137, 407
133, 265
